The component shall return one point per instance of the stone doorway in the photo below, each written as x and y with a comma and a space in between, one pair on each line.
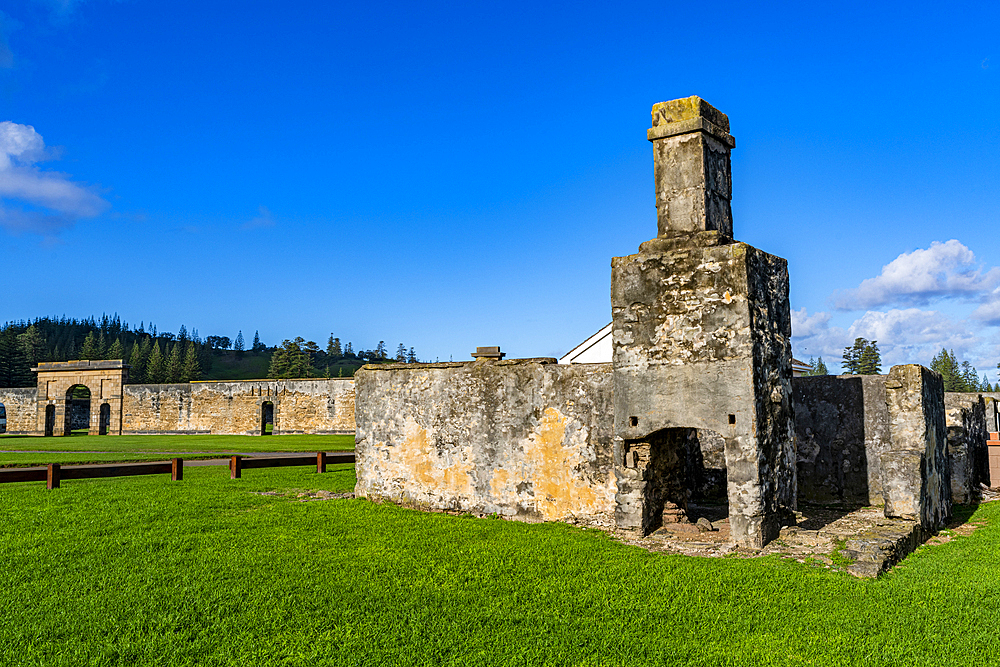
50, 420
267, 418
104, 419
77, 413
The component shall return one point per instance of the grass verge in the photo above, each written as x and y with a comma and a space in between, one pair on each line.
179, 443
144, 571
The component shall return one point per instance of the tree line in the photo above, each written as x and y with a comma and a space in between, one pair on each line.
299, 358
158, 357
864, 358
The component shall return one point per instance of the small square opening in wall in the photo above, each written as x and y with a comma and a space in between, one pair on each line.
633, 421
732, 419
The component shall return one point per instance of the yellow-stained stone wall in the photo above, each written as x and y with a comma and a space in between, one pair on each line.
524, 438
235, 408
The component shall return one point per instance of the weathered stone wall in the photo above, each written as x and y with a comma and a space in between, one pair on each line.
841, 432
525, 438
21, 405
965, 418
915, 473
235, 408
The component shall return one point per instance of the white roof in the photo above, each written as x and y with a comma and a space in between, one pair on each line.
595, 350
598, 350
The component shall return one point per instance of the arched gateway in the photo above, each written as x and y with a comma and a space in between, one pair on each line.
104, 379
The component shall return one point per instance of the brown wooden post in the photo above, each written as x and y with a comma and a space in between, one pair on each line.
320, 462
176, 470
52, 481
235, 469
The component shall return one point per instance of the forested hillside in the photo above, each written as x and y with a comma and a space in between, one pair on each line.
161, 356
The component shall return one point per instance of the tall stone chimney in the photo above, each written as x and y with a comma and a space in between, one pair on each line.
701, 331
691, 144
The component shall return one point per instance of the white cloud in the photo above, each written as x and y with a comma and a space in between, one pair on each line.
989, 311
913, 336
812, 336
805, 325
943, 270
31, 199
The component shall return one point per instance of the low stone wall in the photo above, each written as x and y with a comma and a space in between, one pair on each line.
524, 438
22, 409
965, 418
235, 408
841, 431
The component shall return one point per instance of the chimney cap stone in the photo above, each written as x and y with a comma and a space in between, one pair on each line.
489, 352
689, 114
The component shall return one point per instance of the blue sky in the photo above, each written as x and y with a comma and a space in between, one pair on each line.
448, 176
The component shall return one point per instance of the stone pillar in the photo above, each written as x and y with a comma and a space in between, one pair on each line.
916, 481
701, 335
691, 144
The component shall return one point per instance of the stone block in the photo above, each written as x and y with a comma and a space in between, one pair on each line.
916, 481
691, 167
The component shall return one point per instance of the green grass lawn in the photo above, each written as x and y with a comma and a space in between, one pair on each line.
144, 571
28, 459
179, 444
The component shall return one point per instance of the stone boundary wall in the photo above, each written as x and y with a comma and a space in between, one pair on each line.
235, 408
841, 432
524, 438
22, 409
224, 408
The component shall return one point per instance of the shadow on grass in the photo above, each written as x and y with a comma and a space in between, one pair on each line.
960, 514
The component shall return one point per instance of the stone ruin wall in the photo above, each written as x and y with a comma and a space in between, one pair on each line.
224, 408
22, 409
968, 458
234, 408
525, 438
841, 432
916, 480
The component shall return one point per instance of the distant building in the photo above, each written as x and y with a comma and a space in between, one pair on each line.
597, 350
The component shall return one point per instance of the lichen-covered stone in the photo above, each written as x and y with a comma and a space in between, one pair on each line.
528, 439
701, 340
691, 167
841, 432
916, 482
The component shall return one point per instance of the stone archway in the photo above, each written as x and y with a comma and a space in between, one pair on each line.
105, 380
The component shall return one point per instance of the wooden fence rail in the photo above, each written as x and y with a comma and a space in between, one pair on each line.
238, 464
55, 473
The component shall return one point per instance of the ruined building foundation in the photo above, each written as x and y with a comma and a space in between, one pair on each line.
701, 351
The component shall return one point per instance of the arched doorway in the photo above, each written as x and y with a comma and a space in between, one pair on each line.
267, 418
50, 420
104, 422
77, 410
